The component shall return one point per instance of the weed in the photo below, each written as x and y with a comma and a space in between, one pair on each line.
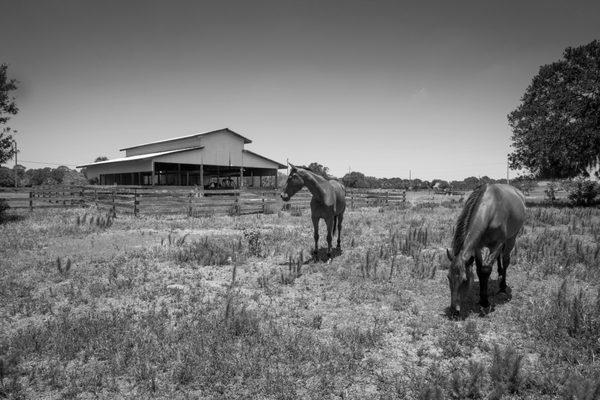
256, 242
467, 384
208, 252
506, 371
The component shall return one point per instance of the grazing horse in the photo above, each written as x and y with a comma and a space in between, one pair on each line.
328, 202
492, 217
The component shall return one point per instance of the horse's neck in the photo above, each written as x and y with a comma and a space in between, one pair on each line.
477, 228
314, 185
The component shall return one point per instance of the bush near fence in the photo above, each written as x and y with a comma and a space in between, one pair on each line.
180, 200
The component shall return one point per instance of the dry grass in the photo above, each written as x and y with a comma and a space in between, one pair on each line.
94, 306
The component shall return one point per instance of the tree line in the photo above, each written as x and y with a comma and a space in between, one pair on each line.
359, 180
40, 176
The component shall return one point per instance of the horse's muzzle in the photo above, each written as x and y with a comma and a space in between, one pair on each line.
285, 197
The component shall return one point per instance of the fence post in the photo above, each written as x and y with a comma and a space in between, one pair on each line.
190, 195
263, 202
404, 196
135, 203
96, 197
114, 210
352, 200
386, 198
31, 201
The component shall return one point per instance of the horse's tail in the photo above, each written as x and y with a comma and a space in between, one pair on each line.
335, 220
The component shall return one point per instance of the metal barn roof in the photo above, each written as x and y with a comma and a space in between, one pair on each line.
141, 156
246, 140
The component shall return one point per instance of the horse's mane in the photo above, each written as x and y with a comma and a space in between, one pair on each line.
464, 220
311, 171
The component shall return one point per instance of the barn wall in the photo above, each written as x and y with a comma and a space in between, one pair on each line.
220, 148
94, 171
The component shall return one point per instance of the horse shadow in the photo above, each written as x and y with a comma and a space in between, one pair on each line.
470, 304
321, 254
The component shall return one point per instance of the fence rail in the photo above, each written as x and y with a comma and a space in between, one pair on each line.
178, 200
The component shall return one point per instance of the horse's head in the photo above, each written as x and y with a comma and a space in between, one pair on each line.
293, 184
458, 281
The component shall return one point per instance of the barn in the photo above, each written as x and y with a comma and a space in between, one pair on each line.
215, 159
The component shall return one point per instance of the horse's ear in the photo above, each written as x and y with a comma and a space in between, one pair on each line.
450, 256
292, 166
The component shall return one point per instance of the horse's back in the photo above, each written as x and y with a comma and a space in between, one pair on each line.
508, 207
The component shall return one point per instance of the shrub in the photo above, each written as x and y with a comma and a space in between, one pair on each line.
3, 207
550, 191
583, 192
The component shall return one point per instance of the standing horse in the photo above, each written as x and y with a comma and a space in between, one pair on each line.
492, 217
328, 202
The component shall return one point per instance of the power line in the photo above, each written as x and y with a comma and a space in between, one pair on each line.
49, 163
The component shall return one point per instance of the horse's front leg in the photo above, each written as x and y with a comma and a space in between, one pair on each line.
483, 273
329, 222
315, 221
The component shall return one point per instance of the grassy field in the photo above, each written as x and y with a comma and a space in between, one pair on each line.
232, 307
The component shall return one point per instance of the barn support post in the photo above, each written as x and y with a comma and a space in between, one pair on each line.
202, 176
178, 174
139, 178
153, 173
187, 178
276, 184
241, 177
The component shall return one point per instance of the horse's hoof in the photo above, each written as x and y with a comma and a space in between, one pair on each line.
483, 311
329, 260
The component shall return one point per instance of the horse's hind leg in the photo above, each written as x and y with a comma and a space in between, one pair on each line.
339, 226
503, 263
315, 222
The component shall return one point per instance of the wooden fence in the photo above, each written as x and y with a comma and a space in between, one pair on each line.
178, 200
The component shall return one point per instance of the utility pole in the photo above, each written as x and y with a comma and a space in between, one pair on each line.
16, 161
507, 173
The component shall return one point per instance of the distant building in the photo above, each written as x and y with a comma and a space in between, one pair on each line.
216, 158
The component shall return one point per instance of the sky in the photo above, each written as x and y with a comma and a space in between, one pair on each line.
387, 88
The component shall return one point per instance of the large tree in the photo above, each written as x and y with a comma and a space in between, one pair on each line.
8, 107
556, 128
319, 169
